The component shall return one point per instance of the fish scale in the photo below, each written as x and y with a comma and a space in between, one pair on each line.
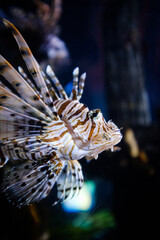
44, 132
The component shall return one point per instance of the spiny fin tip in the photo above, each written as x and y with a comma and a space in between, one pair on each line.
83, 76
76, 71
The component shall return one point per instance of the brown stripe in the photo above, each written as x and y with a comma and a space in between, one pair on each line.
25, 51
104, 129
63, 106
62, 92
57, 84
77, 112
97, 132
56, 124
70, 153
3, 68
70, 110
81, 87
80, 123
59, 168
33, 72
55, 138
85, 129
36, 97
53, 94
74, 92
91, 131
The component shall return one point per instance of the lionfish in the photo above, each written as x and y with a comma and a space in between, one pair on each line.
44, 132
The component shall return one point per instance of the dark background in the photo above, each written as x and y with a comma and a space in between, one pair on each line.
118, 44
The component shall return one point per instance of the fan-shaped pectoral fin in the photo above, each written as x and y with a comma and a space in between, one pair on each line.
70, 181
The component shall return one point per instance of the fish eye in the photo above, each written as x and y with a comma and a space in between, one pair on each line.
93, 114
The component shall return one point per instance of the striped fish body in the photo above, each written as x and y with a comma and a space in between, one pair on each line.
44, 132
90, 134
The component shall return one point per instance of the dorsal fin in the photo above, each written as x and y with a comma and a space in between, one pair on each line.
31, 62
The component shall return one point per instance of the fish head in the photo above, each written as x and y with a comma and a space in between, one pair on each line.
103, 136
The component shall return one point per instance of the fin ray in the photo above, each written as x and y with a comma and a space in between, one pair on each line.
10, 100
25, 184
30, 61
70, 181
22, 87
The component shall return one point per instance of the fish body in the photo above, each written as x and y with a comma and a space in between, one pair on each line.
44, 132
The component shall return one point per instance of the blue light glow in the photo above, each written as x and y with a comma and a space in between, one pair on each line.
84, 201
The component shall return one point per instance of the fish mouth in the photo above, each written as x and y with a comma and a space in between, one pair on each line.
112, 141
117, 138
